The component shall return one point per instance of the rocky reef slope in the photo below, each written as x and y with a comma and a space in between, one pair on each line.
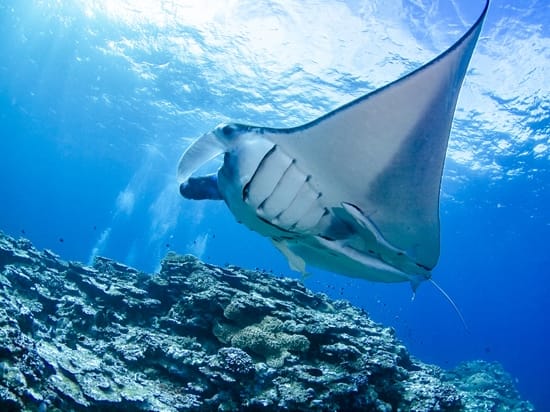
196, 337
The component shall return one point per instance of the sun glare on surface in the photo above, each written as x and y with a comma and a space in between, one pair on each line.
158, 13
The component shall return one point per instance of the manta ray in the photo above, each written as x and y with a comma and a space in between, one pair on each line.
356, 191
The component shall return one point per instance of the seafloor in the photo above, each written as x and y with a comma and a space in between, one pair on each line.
197, 337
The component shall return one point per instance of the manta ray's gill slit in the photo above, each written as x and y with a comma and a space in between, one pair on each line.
312, 217
245, 191
272, 224
298, 207
246, 187
300, 211
267, 176
284, 192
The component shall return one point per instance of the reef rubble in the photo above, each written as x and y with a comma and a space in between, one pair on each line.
197, 337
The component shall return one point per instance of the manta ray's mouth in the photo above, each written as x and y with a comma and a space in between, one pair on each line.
201, 188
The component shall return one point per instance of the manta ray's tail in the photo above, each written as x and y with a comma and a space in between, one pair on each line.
453, 304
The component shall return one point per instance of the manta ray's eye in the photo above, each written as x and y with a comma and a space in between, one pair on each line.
227, 130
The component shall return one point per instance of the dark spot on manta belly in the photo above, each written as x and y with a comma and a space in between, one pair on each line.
420, 265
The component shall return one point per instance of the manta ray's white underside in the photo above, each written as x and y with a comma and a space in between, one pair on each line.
357, 190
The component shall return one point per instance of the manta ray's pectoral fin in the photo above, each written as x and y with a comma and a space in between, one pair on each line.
295, 262
351, 257
366, 226
373, 242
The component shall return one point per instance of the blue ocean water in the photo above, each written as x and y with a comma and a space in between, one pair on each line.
98, 99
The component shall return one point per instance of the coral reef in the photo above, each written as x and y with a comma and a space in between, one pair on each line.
196, 337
